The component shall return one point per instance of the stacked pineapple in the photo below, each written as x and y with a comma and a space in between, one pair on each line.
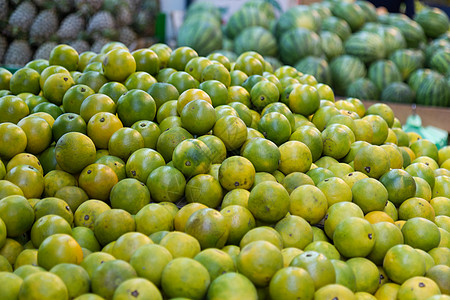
30, 29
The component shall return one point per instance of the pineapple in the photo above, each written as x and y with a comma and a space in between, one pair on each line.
3, 46
44, 26
43, 52
70, 27
21, 19
121, 10
19, 53
144, 21
4, 11
99, 43
80, 45
126, 36
88, 7
101, 24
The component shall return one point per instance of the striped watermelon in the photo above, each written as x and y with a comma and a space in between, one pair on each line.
364, 89
352, 13
365, 45
273, 61
203, 35
298, 43
370, 11
243, 18
434, 21
299, 16
205, 8
398, 92
407, 61
256, 39
344, 70
445, 36
434, 47
331, 44
431, 88
323, 10
440, 61
383, 72
228, 54
318, 67
338, 26
263, 6
392, 37
411, 30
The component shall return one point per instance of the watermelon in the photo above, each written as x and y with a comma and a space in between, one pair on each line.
411, 30
433, 20
202, 35
440, 61
407, 61
322, 9
392, 37
344, 70
204, 8
398, 92
243, 18
366, 46
298, 43
370, 11
432, 89
331, 44
299, 16
352, 13
384, 72
433, 47
363, 88
256, 39
445, 36
228, 54
338, 26
318, 67
263, 6
418, 76
273, 61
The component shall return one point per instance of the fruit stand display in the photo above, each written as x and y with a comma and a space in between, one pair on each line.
219, 173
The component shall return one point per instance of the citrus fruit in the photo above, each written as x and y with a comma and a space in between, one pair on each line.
372, 161
180, 244
333, 291
295, 157
335, 190
17, 214
46, 226
421, 233
263, 154
290, 283
366, 274
418, 287
136, 105
13, 140
402, 262
28, 179
74, 277
149, 261
295, 232
129, 194
43, 285
369, 194
344, 274
387, 236
275, 127
308, 202
232, 131
10, 285
198, 117
74, 151
183, 277
232, 285
355, 232
142, 162
259, 261
153, 218
304, 100
338, 212
380, 128
128, 243
107, 229
59, 248
109, 275
216, 261
118, 64
236, 172
192, 157
268, 201
317, 265
209, 227
97, 180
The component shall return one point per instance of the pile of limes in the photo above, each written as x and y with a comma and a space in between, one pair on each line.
160, 174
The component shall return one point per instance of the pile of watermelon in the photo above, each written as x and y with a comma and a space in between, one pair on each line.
344, 44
